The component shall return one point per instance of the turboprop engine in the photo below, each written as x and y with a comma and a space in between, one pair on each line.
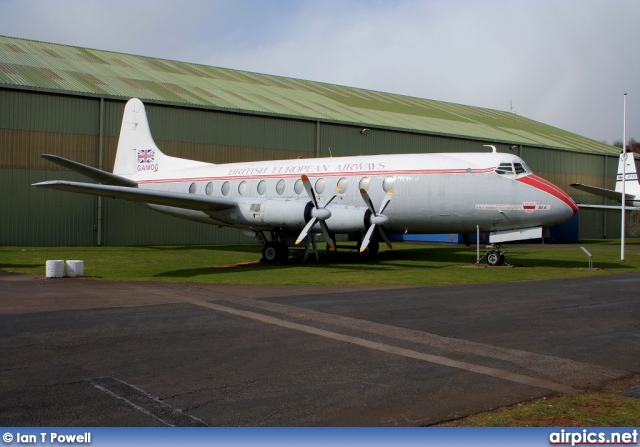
339, 218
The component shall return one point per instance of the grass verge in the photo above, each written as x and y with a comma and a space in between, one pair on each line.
607, 408
406, 264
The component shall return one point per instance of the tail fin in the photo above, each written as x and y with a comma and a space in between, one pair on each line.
628, 164
137, 153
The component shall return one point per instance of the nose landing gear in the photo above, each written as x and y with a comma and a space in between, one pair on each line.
495, 255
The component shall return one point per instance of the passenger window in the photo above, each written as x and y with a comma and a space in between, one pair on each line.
242, 188
365, 182
342, 185
262, 187
388, 183
298, 187
192, 188
225, 188
209, 189
320, 185
280, 187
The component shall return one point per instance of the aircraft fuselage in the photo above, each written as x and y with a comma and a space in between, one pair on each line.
432, 193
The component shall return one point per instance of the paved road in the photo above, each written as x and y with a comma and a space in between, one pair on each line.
98, 353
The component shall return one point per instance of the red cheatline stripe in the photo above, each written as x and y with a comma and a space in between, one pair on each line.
317, 175
548, 187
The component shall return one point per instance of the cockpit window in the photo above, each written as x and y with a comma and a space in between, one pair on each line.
519, 168
505, 168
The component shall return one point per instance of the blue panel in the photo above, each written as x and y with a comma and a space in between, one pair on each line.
566, 232
453, 238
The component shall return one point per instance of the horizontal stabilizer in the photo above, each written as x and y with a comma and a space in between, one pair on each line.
611, 208
175, 199
94, 173
606, 193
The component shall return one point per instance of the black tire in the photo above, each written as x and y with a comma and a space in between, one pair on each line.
373, 247
270, 252
495, 258
275, 252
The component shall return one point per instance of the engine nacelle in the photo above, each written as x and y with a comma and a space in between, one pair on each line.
296, 214
285, 212
347, 219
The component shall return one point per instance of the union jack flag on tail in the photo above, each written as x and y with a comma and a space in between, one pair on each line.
146, 156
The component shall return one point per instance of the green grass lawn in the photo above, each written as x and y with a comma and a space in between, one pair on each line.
406, 264
602, 409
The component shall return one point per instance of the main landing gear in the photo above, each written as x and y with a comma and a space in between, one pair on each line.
274, 250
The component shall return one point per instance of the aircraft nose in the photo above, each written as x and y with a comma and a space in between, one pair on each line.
550, 188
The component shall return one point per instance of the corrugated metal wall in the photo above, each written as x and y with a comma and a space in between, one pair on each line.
563, 168
33, 123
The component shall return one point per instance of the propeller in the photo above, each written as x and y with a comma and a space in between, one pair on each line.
317, 215
376, 219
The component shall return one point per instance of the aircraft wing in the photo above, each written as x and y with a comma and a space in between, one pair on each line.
610, 208
602, 192
96, 174
175, 199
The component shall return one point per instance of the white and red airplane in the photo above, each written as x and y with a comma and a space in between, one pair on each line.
294, 200
626, 165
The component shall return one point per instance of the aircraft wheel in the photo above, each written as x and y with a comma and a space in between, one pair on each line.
270, 252
275, 252
495, 258
373, 247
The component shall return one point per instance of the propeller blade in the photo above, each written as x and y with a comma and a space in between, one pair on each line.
384, 237
306, 229
367, 200
367, 238
376, 217
309, 189
330, 200
319, 215
325, 230
385, 201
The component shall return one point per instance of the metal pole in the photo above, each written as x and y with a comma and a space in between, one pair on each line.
477, 244
100, 166
624, 177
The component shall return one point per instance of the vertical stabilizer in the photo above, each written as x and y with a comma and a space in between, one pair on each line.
137, 153
631, 174
135, 142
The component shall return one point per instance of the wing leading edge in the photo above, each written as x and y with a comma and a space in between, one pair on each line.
602, 192
94, 173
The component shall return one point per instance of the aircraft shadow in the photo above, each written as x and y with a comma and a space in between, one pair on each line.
416, 258
18, 266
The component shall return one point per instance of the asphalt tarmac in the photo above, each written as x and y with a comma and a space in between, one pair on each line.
78, 352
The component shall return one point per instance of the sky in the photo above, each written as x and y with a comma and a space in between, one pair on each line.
566, 63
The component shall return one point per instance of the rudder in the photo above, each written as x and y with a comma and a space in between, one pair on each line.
631, 174
135, 145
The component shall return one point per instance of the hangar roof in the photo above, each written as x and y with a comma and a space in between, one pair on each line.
52, 67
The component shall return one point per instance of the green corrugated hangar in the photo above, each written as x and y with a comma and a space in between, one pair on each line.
69, 101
